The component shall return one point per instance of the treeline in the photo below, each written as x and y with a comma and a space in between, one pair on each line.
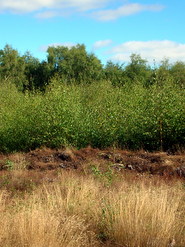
76, 66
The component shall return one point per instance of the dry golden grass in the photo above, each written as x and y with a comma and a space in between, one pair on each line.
77, 211
142, 216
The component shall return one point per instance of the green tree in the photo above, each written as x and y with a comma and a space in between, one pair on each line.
177, 70
12, 66
137, 70
37, 73
74, 64
161, 75
115, 73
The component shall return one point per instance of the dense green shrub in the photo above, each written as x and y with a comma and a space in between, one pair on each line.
99, 115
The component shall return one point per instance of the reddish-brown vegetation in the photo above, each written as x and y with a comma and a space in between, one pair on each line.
158, 163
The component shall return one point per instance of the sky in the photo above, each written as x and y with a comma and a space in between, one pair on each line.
111, 29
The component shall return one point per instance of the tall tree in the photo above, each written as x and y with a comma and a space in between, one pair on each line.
37, 73
74, 64
137, 70
12, 66
115, 73
161, 75
177, 70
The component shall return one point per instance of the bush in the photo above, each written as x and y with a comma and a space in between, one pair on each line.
99, 115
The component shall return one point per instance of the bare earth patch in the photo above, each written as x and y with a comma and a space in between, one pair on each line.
158, 163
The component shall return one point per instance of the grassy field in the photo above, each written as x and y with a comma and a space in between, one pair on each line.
75, 210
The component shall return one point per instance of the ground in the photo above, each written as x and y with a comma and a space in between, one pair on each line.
46, 162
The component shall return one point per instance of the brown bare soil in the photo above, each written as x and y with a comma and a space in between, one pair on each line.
122, 161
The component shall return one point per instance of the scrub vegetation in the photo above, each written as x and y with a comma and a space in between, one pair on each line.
99, 114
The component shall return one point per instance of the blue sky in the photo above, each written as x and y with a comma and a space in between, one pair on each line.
113, 30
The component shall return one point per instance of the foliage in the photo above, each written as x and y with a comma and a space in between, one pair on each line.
98, 114
37, 74
137, 70
106, 177
74, 64
72, 100
12, 67
115, 73
177, 70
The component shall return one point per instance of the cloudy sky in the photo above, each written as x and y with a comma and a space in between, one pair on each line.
112, 29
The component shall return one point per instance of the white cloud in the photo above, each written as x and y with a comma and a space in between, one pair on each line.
67, 44
47, 14
125, 10
24, 6
150, 50
96, 8
101, 43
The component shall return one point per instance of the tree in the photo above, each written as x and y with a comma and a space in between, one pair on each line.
12, 66
138, 70
178, 72
37, 73
74, 64
161, 75
115, 73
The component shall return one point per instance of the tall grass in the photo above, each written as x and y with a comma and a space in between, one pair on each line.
99, 115
78, 211
145, 217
